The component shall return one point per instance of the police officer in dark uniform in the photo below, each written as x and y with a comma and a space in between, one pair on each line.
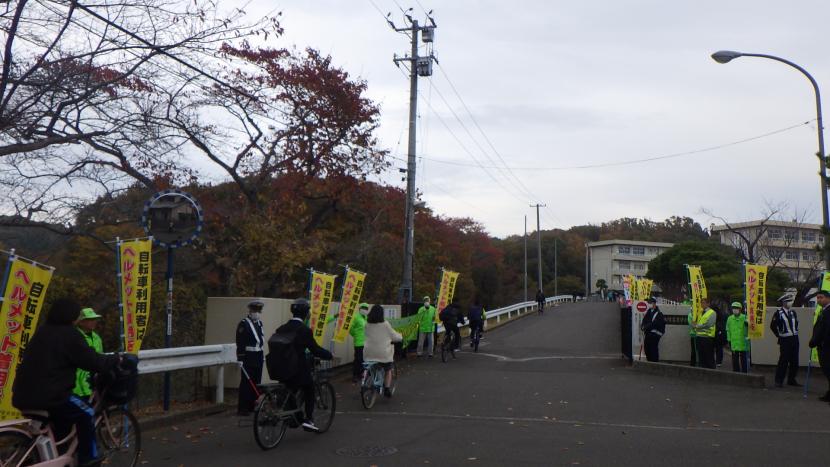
784, 325
249, 343
653, 327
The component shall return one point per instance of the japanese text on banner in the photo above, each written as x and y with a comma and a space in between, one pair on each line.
697, 286
825, 285
135, 267
756, 299
23, 299
349, 300
645, 288
446, 291
320, 294
628, 286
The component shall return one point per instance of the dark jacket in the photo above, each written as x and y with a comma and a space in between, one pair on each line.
821, 330
246, 338
304, 340
476, 314
540, 297
782, 321
451, 316
46, 375
654, 321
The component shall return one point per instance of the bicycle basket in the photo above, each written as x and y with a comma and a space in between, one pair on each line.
119, 385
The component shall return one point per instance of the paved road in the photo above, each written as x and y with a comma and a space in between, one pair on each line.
543, 390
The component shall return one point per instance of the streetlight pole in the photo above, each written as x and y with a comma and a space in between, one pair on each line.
725, 56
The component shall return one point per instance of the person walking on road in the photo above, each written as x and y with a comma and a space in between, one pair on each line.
784, 325
426, 329
653, 327
249, 343
705, 329
736, 334
821, 338
540, 299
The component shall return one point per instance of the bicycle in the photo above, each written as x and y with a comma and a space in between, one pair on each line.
475, 337
448, 345
280, 407
31, 441
371, 384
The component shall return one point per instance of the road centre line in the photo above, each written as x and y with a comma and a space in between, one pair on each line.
579, 423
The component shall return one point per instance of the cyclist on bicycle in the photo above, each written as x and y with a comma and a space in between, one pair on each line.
378, 347
451, 317
303, 340
46, 377
476, 318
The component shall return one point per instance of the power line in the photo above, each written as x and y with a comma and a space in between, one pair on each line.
633, 161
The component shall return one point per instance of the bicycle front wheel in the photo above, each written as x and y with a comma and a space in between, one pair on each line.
13, 447
394, 385
324, 406
119, 437
368, 393
269, 427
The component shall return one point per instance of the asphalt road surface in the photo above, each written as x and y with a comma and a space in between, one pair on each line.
543, 390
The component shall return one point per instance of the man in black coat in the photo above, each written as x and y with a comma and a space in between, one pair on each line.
249, 342
784, 325
821, 338
653, 327
46, 376
303, 340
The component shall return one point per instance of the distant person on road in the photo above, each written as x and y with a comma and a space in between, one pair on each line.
736, 334
784, 325
692, 340
476, 319
249, 343
540, 299
379, 348
451, 317
426, 329
821, 338
653, 327
705, 329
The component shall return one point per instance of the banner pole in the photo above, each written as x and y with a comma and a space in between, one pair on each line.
119, 290
748, 340
168, 336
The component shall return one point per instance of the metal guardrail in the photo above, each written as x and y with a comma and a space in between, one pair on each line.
181, 358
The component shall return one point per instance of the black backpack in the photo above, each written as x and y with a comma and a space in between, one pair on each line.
283, 360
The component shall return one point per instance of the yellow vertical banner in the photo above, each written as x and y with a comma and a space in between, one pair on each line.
320, 294
645, 288
23, 296
635, 289
698, 288
446, 291
756, 299
825, 285
134, 272
349, 300
628, 288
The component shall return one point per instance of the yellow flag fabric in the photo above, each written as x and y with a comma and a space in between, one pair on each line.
628, 288
320, 294
756, 299
446, 291
25, 289
635, 289
644, 286
135, 268
349, 301
698, 288
825, 285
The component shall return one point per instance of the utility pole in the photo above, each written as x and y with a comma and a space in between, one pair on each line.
525, 257
539, 242
418, 66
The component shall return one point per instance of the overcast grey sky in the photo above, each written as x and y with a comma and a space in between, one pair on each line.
558, 84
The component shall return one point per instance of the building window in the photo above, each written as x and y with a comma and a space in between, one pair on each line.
791, 235
638, 251
774, 234
624, 250
809, 256
653, 251
616, 280
791, 255
639, 266
808, 236
624, 265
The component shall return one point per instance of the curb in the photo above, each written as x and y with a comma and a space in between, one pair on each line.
700, 374
163, 421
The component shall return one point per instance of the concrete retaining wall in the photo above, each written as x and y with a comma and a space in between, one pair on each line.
705, 375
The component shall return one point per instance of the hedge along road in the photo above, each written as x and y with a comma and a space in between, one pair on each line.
543, 390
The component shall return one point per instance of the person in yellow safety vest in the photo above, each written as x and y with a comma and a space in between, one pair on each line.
86, 324
426, 328
705, 329
692, 340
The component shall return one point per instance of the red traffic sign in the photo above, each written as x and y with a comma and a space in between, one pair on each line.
642, 307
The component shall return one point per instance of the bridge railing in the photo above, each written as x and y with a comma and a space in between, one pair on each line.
181, 358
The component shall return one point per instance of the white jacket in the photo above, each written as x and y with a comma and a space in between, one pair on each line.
379, 339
